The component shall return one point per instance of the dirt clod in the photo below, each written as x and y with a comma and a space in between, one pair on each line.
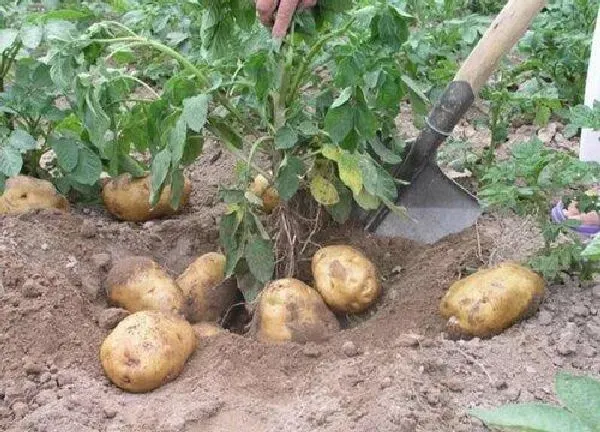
350, 349
101, 261
310, 349
31, 289
88, 229
32, 368
545, 318
109, 318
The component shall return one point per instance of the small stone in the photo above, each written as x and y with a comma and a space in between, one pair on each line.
567, 344
593, 331
350, 349
91, 285
589, 351
5, 412
408, 340
44, 246
109, 318
72, 262
397, 270
88, 229
110, 412
545, 318
45, 377
513, 394
20, 409
32, 368
454, 384
64, 377
385, 383
580, 311
101, 261
53, 368
433, 396
45, 397
148, 224
311, 350
31, 289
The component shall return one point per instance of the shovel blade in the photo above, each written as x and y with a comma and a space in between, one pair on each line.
438, 206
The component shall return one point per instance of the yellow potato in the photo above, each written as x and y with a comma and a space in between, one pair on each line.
137, 283
128, 199
207, 295
268, 194
346, 278
289, 310
491, 300
146, 350
22, 194
259, 185
205, 330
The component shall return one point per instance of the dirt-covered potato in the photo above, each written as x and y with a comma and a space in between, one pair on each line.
346, 278
491, 300
205, 330
138, 283
23, 193
290, 310
146, 350
128, 198
207, 294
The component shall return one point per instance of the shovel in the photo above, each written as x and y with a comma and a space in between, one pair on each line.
436, 205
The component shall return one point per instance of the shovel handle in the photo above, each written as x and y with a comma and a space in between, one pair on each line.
504, 32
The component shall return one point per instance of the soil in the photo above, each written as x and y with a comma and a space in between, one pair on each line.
391, 369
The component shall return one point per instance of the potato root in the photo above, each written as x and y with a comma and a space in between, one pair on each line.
491, 300
138, 283
289, 310
345, 278
23, 193
147, 350
207, 294
128, 199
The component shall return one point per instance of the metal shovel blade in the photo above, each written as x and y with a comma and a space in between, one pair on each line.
438, 206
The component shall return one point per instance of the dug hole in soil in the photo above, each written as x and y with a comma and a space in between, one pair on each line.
390, 370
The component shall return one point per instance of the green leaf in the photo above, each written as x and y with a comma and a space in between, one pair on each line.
7, 38
308, 128
177, 184
21, 140
350, 172
260, 258
324, 191
227, 234
89, 167
285, 138
176, 141
11, 161
581, 396
367, 201
67, 152
386, 155
288, 178
342, 98
532, 418
592, 250
31, 36
195, 111
193, 149
340, 212
378, 181
159, 171
339, 122
226, 133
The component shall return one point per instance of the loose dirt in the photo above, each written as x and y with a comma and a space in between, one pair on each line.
390, 369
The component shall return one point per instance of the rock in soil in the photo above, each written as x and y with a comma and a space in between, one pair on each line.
109, 318
88, 229
31, 289
102, 261
311, 350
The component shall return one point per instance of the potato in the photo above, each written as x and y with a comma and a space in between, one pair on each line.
137, 283
289, 310
346, 278
146, 350
128, 198
489, 301
268, 194
207, 295
22, 194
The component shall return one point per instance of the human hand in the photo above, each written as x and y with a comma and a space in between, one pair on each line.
280, 19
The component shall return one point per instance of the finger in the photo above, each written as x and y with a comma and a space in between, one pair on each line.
307, 4
265, 9
285, 13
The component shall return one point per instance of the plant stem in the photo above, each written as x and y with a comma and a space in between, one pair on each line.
310, 57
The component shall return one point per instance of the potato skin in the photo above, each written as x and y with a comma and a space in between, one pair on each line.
137, 283
23, 193
346, 278
128, 198
491, 300
207, 294
146, 350
290, 311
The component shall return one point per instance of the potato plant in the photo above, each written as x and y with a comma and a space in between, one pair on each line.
314, 117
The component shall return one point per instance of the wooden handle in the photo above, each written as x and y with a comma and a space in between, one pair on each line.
506, 30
